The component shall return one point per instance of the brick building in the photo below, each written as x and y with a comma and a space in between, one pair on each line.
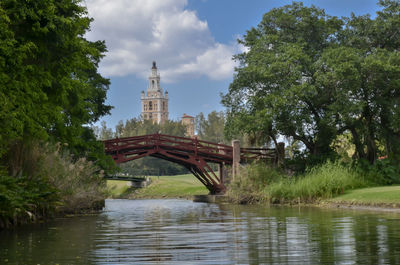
189, 122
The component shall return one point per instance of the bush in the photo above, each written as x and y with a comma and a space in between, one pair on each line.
383, 172
23, 199
249, 186
323, 181
45, 180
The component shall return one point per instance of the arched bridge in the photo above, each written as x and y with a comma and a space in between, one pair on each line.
194, 154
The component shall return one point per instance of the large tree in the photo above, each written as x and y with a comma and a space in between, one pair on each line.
364, 74
274, 89
311, 77
50, 86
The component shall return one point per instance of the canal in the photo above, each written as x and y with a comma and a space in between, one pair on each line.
184, 232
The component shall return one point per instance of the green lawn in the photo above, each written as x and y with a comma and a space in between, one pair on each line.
161, 187
117, 187
371, 196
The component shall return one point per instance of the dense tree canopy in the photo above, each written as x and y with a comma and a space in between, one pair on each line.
312, 77
49, 85
211, 128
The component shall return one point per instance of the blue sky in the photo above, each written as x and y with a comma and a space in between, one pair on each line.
192, 41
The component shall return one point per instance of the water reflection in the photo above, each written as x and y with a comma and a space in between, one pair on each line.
183, 232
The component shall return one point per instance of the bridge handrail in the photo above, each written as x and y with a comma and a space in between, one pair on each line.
183, 144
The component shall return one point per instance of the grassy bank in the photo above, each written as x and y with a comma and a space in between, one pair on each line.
117, 188
376, 196
161, 187
329, 184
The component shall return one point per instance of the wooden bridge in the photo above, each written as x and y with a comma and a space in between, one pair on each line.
194, 154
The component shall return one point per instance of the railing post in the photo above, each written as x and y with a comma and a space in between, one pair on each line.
235, 158
196, 144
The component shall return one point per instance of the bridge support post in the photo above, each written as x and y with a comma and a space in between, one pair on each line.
280, 149
235, 158
222, 173
221, 166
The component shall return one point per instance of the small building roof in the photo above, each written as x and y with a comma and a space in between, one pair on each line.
186, 116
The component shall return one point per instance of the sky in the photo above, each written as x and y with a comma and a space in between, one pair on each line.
192, 41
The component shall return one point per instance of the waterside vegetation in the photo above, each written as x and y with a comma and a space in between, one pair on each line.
330, 87
53, 183
329, 183
50, 94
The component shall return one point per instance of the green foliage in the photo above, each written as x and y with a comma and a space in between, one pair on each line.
211, 128
135, 127
79, 182
312, 78
250, 184
50, 180
50, 87
321, 182
23, 199
259, 182
274, 91
383, 172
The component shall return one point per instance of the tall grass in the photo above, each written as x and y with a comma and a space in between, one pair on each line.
262, 183
80, 183
325, 181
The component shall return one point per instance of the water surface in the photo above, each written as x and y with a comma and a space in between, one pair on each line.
183, 232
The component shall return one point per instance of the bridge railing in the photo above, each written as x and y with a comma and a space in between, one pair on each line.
213, 151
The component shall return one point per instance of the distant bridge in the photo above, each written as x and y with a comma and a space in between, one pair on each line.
126, 178
191, 153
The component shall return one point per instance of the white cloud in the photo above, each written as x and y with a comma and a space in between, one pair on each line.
140, 31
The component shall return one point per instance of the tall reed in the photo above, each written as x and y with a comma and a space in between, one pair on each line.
324, 181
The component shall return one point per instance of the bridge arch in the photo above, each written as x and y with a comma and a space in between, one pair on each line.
193, 154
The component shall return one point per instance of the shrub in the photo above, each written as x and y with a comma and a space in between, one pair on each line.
249, 186
23, 199
383, 172
43, 179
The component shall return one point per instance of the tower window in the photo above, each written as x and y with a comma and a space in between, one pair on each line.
163, 106
150, 116
152, 83
150, 105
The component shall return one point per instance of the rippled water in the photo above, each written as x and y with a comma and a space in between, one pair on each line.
183, 232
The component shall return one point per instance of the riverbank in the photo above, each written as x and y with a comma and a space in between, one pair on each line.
385, 198
179, 186
382, 199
